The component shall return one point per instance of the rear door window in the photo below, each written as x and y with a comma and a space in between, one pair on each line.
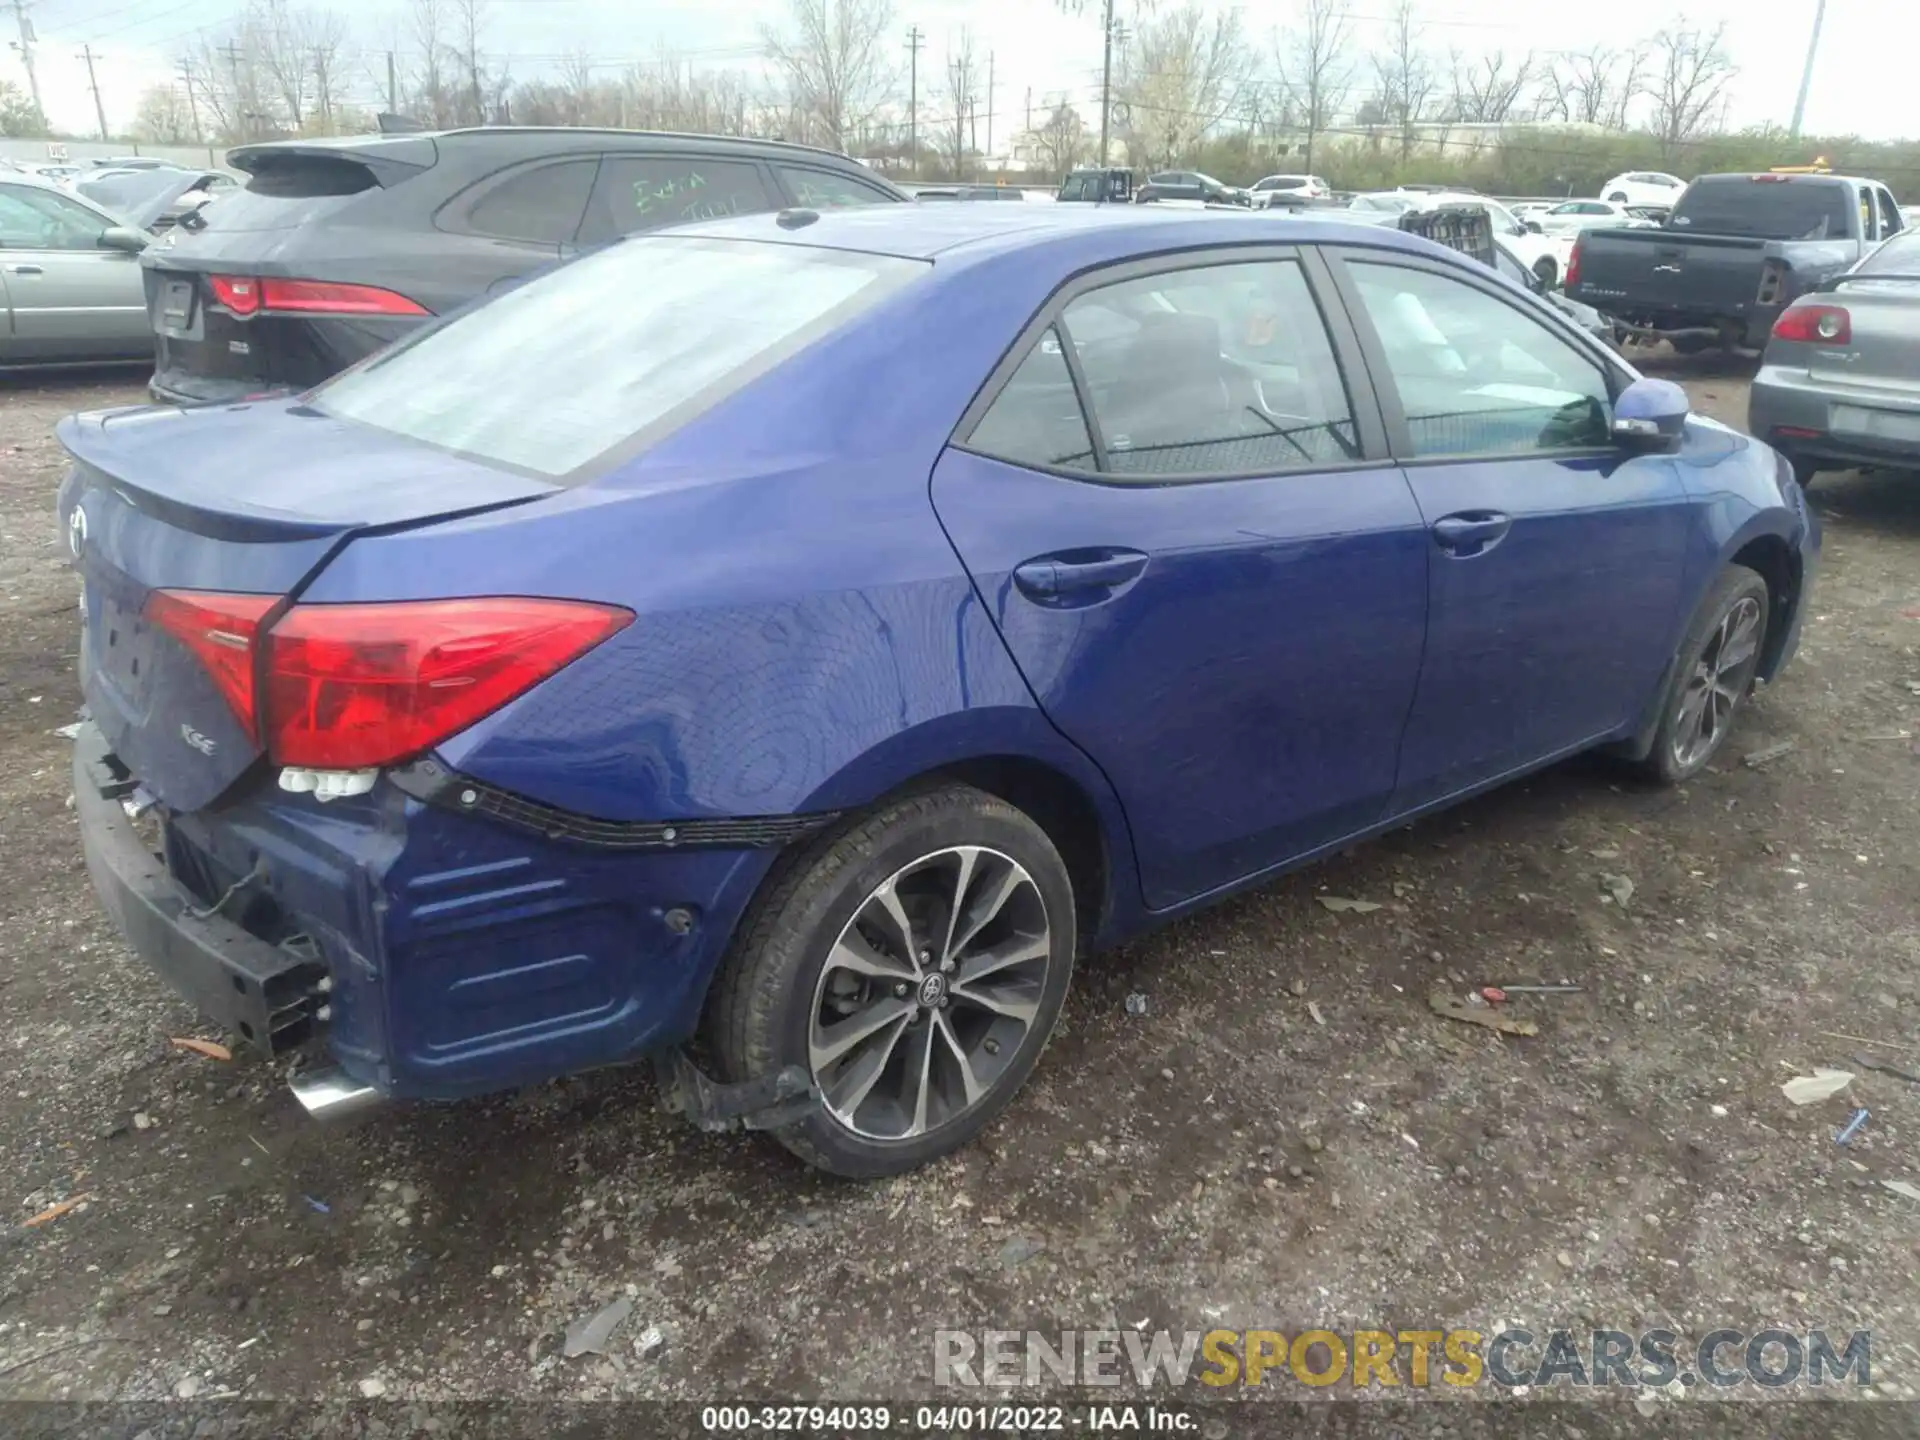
1036, 420
827, 189
35, 219
645, 192
541, 206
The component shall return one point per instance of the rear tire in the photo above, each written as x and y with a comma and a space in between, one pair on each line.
879, 963
1805, 472
1547, 270
1713, 673
1618, 197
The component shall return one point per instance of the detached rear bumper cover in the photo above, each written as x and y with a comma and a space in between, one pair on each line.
263, 993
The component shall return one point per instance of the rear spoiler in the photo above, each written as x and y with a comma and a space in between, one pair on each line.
1834, 282
389, 159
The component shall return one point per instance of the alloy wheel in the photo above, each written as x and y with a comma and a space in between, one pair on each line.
1721, 674
929, 993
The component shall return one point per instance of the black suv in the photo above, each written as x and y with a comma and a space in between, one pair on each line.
335, 248
1191, 185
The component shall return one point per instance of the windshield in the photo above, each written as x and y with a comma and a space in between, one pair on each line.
1764, 209
567, 367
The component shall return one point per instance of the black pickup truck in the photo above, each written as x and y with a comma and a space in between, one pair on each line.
1736, 250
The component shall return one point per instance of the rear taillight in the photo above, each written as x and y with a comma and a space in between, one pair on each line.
1815, 325
350, 687
324, 297
248, 295
239, 293
1572, 277
221, 631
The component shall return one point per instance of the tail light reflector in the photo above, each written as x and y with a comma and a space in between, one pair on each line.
1815, 324
351, 687
1572, 277
221, 631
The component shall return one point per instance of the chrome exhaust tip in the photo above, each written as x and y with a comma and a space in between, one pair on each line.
331, 1094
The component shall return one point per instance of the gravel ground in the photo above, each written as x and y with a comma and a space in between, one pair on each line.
1287, 1137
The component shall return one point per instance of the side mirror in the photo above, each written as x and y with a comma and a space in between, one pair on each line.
124, 237
1650, 416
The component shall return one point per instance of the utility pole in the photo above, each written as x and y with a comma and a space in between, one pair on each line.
1806, 75
1106, 80
990, 105
1029, 108
99, 110
393, 87
193, 105
240, 118
25, 45
914, 41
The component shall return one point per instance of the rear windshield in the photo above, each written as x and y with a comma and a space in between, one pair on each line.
565, 368
1898, 256
1764, 209
1080, 187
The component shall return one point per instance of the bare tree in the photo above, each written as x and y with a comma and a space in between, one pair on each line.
1060, 138
1488, 90
836, 59
1690, 70
1404, 76
1595, 87
326, 38
164, 117
433, 101
1316, 66
1183, 73
963, 84
469, 25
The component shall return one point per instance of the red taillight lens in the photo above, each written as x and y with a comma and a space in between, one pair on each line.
239, 293
324, 297
220, 630
246, 295
355, 686
1815, 324
1572, 277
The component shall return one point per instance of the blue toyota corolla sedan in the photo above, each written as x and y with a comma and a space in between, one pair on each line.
813, 633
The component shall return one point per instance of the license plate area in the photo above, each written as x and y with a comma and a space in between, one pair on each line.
177, 306
1872, 424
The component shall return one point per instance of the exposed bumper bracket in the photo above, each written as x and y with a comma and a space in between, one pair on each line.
772, 1102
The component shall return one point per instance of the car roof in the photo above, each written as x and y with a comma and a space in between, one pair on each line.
1091, 234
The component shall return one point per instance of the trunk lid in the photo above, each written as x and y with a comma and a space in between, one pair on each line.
249, 500
1884, 316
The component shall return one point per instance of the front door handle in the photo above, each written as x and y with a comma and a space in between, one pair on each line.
25, 270
1049, 577
1471, 532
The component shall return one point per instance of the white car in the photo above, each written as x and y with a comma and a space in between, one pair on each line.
1291, 187
1573, 216
1545, 255
1643, 187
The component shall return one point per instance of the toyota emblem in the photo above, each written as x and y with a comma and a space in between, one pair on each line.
77, 531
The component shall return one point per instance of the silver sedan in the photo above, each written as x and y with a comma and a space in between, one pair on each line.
70, 285
1839, 385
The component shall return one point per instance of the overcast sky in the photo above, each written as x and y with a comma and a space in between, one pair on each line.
1860, 84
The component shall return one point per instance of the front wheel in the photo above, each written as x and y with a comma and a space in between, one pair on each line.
914, 965
1712, 676
1547, 270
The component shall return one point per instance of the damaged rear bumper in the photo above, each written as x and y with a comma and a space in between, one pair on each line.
268, 995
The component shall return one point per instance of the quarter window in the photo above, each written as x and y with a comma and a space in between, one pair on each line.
1475, 375
1036, 419
1219, 370
541, 206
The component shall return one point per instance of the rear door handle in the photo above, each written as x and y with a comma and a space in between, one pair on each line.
25, 270
1471, 531
1046, 578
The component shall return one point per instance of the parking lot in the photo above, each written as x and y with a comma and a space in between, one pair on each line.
1287, 1137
